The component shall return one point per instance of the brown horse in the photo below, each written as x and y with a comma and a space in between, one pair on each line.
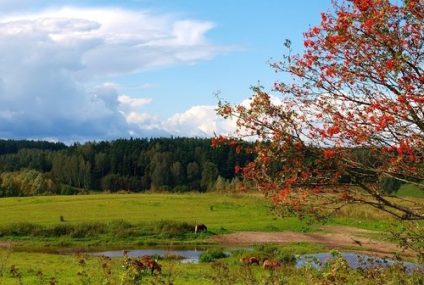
200, 228
151, 264
249, 260
271, 264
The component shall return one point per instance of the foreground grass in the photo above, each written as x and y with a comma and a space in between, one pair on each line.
42, 268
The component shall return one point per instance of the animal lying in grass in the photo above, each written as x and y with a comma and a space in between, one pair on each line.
249, 260
271, 264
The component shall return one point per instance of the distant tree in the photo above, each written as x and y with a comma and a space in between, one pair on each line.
101, 164
220, 184
113, 183
209, 175
135, 164
193, 175
193, 171
178, 175
160, 167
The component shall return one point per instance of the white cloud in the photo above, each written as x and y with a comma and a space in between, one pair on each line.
133, 103
114, 41
199, 121
48, 60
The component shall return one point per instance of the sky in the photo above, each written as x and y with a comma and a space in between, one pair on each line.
99, 69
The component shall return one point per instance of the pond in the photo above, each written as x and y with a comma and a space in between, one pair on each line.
187, 256
354, 260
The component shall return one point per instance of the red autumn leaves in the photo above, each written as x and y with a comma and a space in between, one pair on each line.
357, 87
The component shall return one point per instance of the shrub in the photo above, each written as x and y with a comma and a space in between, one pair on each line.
171, 228
88, 230
390, 185
181, 189
286, 258
212, 255
20, 229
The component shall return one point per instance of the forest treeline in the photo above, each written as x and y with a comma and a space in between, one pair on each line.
171, 164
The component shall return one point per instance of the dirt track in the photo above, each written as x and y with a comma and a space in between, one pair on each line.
334, 237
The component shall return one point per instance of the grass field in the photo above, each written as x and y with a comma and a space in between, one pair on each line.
97, 220
233, 213
219, 211
100, 218
409, 190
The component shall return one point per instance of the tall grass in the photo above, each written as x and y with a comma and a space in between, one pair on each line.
161, 229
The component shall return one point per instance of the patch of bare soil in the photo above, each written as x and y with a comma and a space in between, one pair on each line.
337, 237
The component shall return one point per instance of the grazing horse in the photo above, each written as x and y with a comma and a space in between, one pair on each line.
151, 264
138, 264
146, 258
249, 260
200, 228
271, 264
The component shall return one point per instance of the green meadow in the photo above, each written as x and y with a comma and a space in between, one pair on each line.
43, 237
137, 219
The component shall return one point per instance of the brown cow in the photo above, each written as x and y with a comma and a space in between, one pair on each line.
200, 228
249, 260
271, 264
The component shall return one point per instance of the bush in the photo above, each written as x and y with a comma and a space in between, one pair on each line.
212, 255
181, 189
161, 229
286, 258
268, 249
76, 231
88, 230
20, 229
171, 228
390, 185
68, 190
122, 228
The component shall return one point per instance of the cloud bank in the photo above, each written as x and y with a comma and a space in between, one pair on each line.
50, 59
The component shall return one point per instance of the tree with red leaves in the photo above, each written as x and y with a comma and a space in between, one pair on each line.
350, 118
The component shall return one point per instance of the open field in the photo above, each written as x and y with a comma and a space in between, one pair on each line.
116, 220
237, 212
218, 212
33, 234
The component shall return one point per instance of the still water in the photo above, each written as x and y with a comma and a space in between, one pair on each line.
317, 260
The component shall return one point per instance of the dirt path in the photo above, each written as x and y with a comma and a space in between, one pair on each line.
337, 237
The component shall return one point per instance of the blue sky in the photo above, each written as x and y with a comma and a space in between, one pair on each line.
91, 70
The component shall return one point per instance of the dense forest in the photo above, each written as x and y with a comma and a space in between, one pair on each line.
170, 164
